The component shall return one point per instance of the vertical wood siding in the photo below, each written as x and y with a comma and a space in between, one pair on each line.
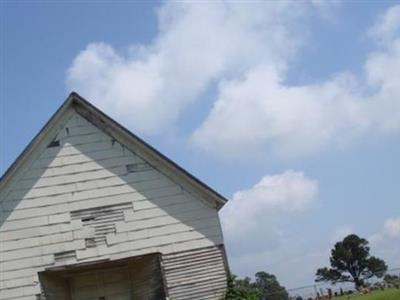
54, 213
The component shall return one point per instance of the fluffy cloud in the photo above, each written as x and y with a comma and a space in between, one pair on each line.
388, 25
246, 51
251, 220
386, 242
274, 194
341, 232
392, 227
148, 86
261, 112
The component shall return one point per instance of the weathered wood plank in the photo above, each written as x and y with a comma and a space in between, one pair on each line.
196, 274
88, 171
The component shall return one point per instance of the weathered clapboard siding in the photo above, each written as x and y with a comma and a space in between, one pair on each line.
89, 190
195, 274
89, 170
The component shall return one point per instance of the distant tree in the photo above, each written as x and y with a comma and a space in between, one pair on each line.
392, 280
240, 289
269, 287
247, 288
265, 287
351, 262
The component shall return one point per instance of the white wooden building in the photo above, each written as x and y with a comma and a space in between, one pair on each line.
89, 211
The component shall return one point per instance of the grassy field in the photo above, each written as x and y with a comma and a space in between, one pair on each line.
389, 294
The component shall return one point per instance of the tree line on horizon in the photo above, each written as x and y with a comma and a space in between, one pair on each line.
350, 261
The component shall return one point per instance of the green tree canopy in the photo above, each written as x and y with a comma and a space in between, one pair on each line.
265, 286
392, 279
269, 287
351, 262
240, 289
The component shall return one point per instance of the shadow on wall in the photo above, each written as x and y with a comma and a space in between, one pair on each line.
19, 189
88, 175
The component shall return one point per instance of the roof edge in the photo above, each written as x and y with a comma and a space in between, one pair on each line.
34, 141
80, 101
74, 99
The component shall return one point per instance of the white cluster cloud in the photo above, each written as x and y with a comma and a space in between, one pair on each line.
246, 51
197, 44
389, 232
386, 242
261, 112
274, 194
341, 232
392, 227
387, 27
251, 219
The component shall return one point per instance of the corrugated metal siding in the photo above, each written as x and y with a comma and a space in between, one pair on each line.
196, 274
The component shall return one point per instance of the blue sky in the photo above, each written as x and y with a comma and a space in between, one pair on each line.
289, 109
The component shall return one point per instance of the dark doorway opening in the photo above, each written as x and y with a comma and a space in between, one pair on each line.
125, 279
